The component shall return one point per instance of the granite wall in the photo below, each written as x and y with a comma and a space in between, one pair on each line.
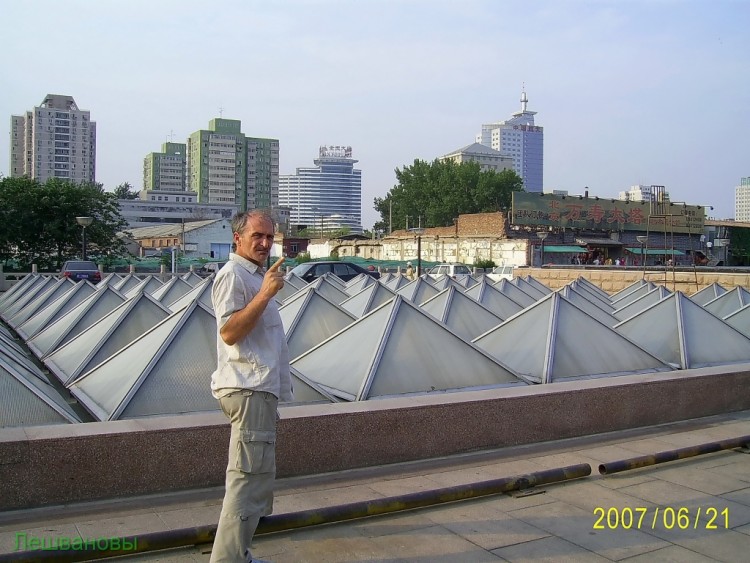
48, 465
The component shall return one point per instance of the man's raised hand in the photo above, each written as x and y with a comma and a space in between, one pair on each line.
273, 281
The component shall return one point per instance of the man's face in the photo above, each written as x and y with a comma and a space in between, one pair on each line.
256, 240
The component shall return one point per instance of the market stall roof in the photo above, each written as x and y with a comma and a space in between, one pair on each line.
656, 251
596, 242
562, 248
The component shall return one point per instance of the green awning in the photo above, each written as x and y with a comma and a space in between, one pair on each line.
657, 251
563, 248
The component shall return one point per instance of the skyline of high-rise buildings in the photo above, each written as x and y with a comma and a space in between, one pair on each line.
54, 140
58, 139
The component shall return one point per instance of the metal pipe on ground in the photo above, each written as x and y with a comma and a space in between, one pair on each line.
672, 455
329, 515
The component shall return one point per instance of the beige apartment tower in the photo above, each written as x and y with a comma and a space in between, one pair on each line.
54, 140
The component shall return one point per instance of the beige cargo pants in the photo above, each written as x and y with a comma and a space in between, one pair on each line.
250, 473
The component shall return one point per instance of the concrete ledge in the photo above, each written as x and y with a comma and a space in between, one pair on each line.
60, 464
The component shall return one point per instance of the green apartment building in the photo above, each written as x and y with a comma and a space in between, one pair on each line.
224, 166
165, 170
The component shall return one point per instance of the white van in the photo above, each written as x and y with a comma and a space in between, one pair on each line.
453, 270
501, 273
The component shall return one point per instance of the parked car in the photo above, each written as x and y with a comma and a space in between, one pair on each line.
502, 272
211, 268
310, 271
452, 270
78, 270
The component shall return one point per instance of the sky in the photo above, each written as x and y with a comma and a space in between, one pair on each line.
628, 92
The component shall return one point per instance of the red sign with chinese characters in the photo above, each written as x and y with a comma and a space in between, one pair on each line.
578, 212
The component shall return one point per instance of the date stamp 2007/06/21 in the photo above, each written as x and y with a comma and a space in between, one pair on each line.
670, 518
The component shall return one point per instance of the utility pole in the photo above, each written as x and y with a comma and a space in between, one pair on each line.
407, 222
390, 216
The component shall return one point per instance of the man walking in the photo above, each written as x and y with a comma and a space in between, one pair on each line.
251, 377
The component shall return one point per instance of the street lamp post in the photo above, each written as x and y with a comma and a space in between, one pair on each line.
419, 232
542, 235
84, 222
643, 239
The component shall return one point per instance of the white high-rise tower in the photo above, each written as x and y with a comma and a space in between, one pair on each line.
519, 138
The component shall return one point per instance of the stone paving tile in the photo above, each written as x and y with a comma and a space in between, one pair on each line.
647, 446
590, 496
516, 500
482, 524
670, 495
433, 544
742, 496
122, 526
737, 468
190, 517
665, 494
575, 525
10, 541
344, 543
705, 435
330, 544
188, 554
720, 544
483, 473
608, 453
624, 479
744, 529
397, 523
404, 486
323, 498
671, 554
548, 549
705, 480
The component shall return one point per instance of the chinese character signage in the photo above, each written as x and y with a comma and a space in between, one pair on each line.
575, 212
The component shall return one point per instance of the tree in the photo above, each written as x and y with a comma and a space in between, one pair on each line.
125, 191
438, 192
739, 246
38, 225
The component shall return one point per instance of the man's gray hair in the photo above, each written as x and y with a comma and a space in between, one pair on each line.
239, 221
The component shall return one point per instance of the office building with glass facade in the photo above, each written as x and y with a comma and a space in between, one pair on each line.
327, 196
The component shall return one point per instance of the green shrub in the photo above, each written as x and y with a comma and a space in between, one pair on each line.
485, 264
302, 257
